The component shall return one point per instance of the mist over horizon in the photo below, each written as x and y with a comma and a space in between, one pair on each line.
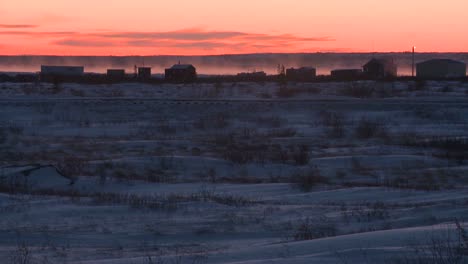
221, 64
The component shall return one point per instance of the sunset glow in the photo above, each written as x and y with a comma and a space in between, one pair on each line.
204, 27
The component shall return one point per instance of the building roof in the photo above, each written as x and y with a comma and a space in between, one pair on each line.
252, 73
381, 61
347, 70
182, 66
62, 70
441, 61
302, 69
61, 67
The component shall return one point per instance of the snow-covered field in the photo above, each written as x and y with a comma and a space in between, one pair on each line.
363, 172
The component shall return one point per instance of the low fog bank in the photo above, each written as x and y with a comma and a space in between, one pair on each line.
221, 64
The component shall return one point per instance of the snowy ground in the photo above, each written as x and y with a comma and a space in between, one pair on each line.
365, 172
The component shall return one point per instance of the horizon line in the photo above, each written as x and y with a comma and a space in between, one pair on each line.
238, 54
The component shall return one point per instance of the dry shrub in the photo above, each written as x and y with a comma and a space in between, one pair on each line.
367, 129
306, 180
358, 90
285, 92
300, 155
308, 229
335, 123
72, 166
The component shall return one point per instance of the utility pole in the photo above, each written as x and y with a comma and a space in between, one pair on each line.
412, 66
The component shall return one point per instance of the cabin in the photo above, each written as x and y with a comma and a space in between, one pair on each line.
380, 68
256, 76
115, 74
144, 73
301, 74
181, 73
346, 74
62, 71
441, 69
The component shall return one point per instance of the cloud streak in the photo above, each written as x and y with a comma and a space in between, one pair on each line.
16, 26
187, 34
185, 41
202, 35
39, 34
84, 43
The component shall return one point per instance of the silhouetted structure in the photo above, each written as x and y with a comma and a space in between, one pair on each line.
116, 74
252, 76
440, 69
380, 68
181, 73
346, 74
62, 71
301, 74
144, 73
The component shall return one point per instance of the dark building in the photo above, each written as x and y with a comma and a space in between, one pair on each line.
346, 74
63, 71
181, 73
301, 74
252, 76
380, 68
441, 69
144, 73
116, 74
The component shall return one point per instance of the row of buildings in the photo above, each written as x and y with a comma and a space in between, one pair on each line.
386, 68
177, 73
376, 68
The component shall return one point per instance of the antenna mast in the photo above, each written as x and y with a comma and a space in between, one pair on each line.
412, 65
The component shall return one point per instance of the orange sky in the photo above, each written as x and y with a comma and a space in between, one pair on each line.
203, 27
